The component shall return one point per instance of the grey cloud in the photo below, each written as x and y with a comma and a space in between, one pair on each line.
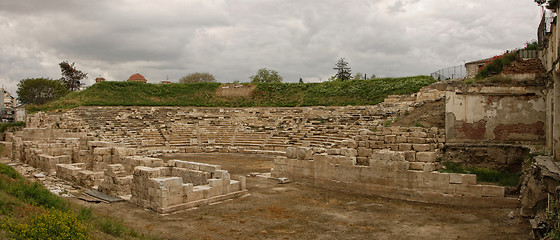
234, 38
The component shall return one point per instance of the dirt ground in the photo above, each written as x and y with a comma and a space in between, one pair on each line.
430, 114
296, 211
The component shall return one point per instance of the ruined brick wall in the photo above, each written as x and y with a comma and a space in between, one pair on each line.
497, 114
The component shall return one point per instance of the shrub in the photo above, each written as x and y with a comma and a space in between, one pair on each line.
496, 65
484, 174
53, 225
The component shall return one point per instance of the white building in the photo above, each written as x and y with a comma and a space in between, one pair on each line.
7, 107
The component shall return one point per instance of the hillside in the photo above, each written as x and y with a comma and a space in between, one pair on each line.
359, 92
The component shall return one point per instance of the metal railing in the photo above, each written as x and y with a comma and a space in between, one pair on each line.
455, 72
528, 53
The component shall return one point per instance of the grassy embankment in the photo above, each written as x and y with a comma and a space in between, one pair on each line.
484, 174
29, 211
360, 92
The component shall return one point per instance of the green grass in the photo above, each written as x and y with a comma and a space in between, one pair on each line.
29, 211
484, 175
336, 93
6, 126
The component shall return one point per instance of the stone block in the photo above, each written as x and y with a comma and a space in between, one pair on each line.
416, 166
416, 140
333, 151
469, 179
455, 178
102, 151
422, 147
349, 152
492, 191
430, 167
401, 139
208, 167
364, 161
349, 143
304, 153
410, 156
243, 182
364, 152
426, 156
405, 146
146, 172
291, 152
390, 138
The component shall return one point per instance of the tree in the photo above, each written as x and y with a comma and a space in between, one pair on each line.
343, 71
71, 76
358, 76
266, 76
40, 90
198, 77
550, 4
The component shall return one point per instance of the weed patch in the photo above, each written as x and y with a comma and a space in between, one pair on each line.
484, 174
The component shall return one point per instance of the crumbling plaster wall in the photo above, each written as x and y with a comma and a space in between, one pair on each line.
497, 114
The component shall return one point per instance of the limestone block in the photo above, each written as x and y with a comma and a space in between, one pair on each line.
122, 152
419, 134
333, 151
430, 167
188, 165
208, 167
469, 179
390, 138
214, 191
455, 178
416, 140
416, 166
304, 153
492, 191
194, 141
199, 192
349, 152
146, 172
401, 139
469, 190
243, 183
234, 186
388, 155
410, 156
280, 161
426, 156
102, 151
126, 180
405, 147
349, 143
291, 152
422, 147
364, 161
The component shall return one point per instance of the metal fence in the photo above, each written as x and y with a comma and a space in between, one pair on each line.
455, 72
527, 53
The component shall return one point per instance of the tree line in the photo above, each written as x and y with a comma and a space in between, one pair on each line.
42, 90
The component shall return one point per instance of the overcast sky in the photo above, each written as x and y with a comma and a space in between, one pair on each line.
232, 39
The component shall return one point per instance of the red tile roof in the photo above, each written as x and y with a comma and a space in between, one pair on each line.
137, 77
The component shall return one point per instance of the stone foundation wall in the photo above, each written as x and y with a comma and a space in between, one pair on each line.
390, 174
183, 185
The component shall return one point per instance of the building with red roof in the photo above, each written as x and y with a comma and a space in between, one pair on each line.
137, 77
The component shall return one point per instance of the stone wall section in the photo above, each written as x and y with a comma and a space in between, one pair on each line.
183, 185
390, 174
